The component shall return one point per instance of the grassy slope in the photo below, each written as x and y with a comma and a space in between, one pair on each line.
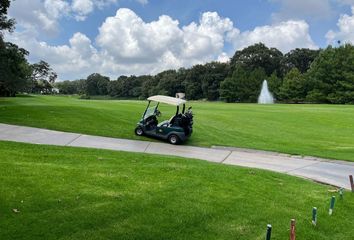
72, 193
317, 130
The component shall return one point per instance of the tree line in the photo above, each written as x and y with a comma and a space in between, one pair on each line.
300, 76
16, 73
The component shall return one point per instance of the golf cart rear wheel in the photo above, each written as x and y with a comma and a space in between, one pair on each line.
139, 131
173, 139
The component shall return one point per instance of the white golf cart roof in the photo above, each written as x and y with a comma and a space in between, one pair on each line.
167, 100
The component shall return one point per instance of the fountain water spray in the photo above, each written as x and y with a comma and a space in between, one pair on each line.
265, 97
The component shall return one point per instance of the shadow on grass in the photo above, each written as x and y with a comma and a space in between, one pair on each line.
24, 96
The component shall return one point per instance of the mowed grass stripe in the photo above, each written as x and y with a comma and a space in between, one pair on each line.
315, 130
73, 193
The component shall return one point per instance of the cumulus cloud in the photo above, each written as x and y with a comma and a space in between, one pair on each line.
346, 29
284, 36
75, 57
207, 38
126, 44
56, 8
126, 38
38, 15
82, 6
44, 15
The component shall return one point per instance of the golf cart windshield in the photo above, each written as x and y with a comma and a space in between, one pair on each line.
154, 102
150, 111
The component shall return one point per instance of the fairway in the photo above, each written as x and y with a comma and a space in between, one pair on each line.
315, 130
73, 193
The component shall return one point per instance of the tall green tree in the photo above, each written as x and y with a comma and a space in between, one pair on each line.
72, 87
229, 90
14, 68
274, 84
43, 77
258, 56
293, 88
243, 85
300, 58
193, 82
114, 89
43, 71
6, 24
96, 84
332, 76
66, 87
149, 86
214, 74
127, 87
134, 83
15, 71
168, 83
80, 86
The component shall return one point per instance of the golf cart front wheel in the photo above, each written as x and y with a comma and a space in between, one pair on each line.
139, 131
173, 139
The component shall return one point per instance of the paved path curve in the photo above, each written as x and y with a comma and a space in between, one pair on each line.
322, 170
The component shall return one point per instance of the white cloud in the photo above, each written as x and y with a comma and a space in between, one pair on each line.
37, 15
44, 15
128, 45
127, 38
223, 57
78, 56
56, 8
82, 8
285, 36
206, 39
104, 3
346, 29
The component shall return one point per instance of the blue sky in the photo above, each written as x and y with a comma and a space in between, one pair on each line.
116, 37
246, 14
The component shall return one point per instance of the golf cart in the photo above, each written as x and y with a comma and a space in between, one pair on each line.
176, 130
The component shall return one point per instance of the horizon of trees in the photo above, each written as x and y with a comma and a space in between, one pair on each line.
300, 76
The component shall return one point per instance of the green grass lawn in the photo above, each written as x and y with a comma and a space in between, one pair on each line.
73, 193
317, 130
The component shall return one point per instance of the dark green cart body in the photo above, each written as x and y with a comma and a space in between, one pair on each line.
176, 130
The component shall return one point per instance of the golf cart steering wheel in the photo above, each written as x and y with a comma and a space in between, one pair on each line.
158, 113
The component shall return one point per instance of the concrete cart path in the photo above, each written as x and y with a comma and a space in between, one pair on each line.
322, 170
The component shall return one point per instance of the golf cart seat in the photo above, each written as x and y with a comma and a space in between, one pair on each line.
166, 122
172, 120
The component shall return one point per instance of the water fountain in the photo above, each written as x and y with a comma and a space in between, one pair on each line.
265, 97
